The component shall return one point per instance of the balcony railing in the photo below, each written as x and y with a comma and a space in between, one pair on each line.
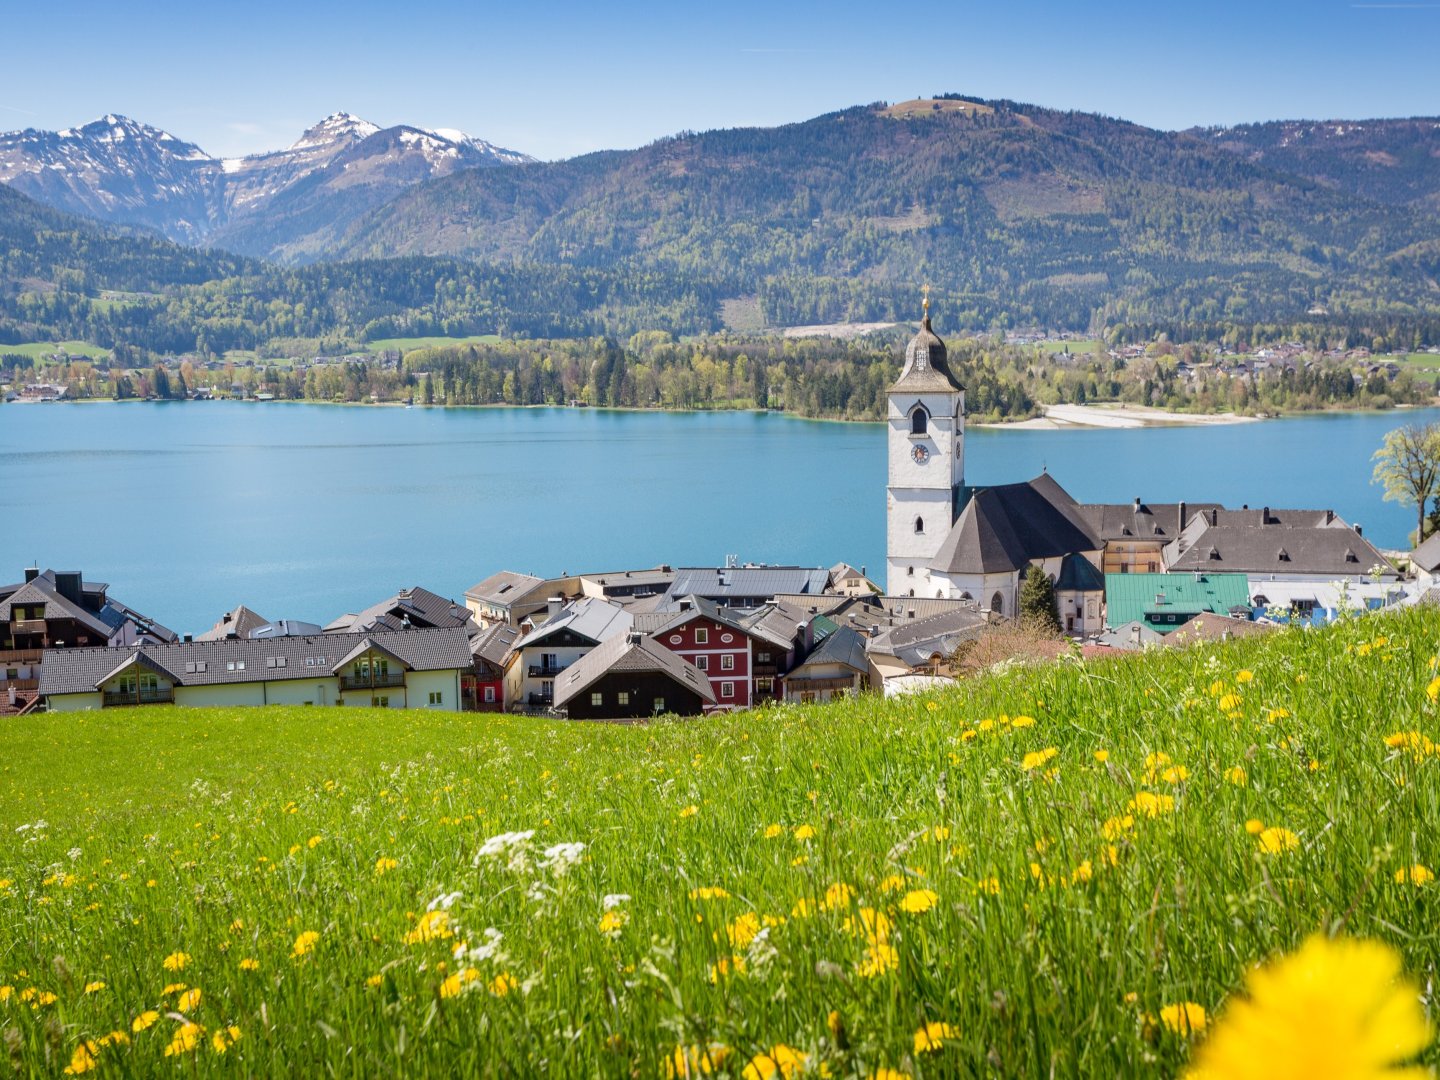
371, 682
143, 697
540, 700
546, 671
19, 685
18, 657
27, 626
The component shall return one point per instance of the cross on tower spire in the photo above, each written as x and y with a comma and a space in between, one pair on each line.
925, 304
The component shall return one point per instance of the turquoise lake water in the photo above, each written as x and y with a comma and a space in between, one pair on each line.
309, 511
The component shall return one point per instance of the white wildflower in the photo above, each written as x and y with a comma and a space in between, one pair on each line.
445, 901
560, 857
614, 900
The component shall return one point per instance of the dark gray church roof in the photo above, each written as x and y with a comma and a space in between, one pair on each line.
927, 365
1274, 549
1002, 529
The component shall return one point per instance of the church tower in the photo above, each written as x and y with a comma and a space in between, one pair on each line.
927, 462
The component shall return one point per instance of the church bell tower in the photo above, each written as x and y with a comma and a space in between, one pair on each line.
927, 462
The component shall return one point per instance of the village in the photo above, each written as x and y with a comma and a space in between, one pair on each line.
685, 641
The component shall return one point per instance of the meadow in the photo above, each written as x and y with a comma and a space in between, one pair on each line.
1057, 871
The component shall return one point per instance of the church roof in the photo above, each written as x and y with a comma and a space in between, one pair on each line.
927, 368
1002, 529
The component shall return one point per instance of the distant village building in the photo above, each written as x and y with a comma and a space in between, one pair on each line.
1163, 603
631, 676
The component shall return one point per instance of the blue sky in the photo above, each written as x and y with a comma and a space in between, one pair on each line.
557, 79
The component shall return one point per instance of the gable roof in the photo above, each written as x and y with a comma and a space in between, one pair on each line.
241, 622
1274, 549
844, 646
590, 617
629, 653
504, 588
1140, 520
208, 663
494, 643
747, 582
415, 606
1427, 556
1002, 529
1148, 598
96, 610
916, 642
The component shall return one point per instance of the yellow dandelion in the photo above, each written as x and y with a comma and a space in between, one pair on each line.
176, 961
743, 929
1022, 722
612, 922
695, 1060
1244, 676
172, 988
1102, 756
989, 886
1152, 805
1230, 702
772, 831
1432, 691
725, 967
314, 842
249, 964
709, 892
502, 984
1419, 874
690, 811
94, 987
918, 900
781, 1061
1175, 774
186, 1039
1236, 775
144, 1020
892, 883
384, 865
838, 895
940, 833
1184, 1018
1037, 758
455, 984
1276, 840
189, 1000
1334, 1008
804, 832
886, 1073
432, 926
373, 981
83, 1059
933, 1036
304, 943
880, 957
1254, 826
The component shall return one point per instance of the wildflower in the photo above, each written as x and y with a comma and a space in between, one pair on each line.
742, 929
1022, 722
144, 1020
771, 832
884, 1073
726, 966
1036, 758
803, 909
880, 957
1175, 774
1082, 873
432, 926
875, 925
224, 1038
172, 988
249, 964
805, 832
1236, 776
558, 858
83, 1059
1230, 702
1185, 1018
695, 1060
186, 1039
189, 1000
781, 1061
892, 883
94, 987
384, 865
932, 1036
1102, 756
1152, 805
690, 811
502, 984
314, 842
1244, 676
1274, 716
838, 895
115, 1038
612, 922
918, 900
940, 833
1418, 874
1115, 827
1334, 1008
709, 892
1275, 840
1432, 691
455, 984
1254, 826
176, 961
304, 943
989, 885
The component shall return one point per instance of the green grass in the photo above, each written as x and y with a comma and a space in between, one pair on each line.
407, 344
227, 833
38, 349
1087, 346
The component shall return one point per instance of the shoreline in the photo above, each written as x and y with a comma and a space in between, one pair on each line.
1112, 417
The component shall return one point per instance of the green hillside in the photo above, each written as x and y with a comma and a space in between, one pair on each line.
1035, 876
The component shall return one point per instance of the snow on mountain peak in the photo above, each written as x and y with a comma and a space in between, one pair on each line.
336, 126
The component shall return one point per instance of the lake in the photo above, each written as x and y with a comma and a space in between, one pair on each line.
309, 511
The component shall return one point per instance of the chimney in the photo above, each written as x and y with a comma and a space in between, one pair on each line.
1265, 516
1215, 517
862, 571
225, 619
1329, 517
1182, 514
1135, 633
1358, 530
633, 637
189, 638
553, 606
31, 573
67, 584
1137, 504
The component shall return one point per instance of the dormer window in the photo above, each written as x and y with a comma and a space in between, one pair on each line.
919, 421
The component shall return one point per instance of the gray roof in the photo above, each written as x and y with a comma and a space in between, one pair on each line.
239, 622
744, 582
204, 663
1003, 529
494, 643
845, 647
1078, 574
1140, 520
625, 653
1274, 549
419, 607
99, 613
1427, 556
754, 623
927, 365
503, 588
590, 617
916, 642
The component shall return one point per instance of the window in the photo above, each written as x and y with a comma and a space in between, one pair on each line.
597, 699
727, 638
490, 694
659, 706
380, 702
764, 686
807, 697
623, 697
727, 662
919, 525
437, 697
727, 689
909, 571
762, 658
997, 604
919, 421
702, 636
703, 663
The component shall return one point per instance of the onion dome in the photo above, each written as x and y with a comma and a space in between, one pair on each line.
926, 368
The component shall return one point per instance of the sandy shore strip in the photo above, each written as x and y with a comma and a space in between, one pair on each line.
1066, 417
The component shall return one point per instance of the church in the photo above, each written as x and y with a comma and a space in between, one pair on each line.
948, 540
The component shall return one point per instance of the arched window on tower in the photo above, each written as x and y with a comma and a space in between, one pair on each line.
997, 604
919, 525
909, 571
919, 421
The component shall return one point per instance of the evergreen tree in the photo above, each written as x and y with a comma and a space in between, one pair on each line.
1037, 601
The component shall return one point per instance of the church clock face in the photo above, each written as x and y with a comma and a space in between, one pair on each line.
920, 454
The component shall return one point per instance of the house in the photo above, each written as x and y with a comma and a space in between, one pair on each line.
847, 581
627, 586
411, 669
1425, 562
728, 646
920, 646
508, 597
1285, 545
53, 610
413, 607
1135, 534
1080, 596
837, 668
1165, 602
748, 586
483, 688
630, 676
569, 631
237, 623
1315, 603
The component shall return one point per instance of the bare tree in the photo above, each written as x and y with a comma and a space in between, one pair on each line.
1408, 465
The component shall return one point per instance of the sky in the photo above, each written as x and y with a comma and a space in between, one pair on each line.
556, 79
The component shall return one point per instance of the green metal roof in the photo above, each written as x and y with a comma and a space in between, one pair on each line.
1165, 602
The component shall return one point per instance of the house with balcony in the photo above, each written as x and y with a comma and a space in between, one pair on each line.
415, 669
52, 610
570, 630
628, 677
837, 668
742, 653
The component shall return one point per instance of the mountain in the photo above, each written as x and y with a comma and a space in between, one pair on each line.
1017, 212
124, 172
1390, 161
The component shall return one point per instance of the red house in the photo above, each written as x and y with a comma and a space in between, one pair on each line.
742, 654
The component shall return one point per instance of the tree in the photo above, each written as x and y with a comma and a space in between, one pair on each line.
1408, 465
1037, 601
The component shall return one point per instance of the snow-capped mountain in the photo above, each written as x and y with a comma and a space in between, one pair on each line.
122, 171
